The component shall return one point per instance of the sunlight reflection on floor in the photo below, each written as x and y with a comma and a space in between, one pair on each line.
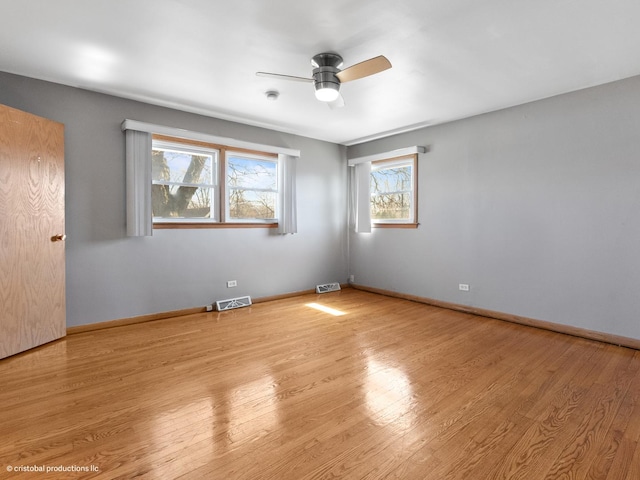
388, 395
325, 309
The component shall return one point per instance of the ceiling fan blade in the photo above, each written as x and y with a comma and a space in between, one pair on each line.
284, 77
364, 69
337, 103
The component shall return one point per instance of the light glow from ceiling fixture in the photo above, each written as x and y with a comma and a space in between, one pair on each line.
327, 94
94, 63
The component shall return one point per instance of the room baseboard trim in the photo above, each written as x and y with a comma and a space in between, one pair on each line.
90, 327
283, 296
530, 322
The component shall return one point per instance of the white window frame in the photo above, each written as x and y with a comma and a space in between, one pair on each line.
408, 160
228, 188
220, 215
214, 185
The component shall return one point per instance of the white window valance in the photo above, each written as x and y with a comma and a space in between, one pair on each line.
401, 152
205, 137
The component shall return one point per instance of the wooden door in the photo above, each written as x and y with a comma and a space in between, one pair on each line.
32, 257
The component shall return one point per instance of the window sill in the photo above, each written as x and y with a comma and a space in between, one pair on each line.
174, 225
395, 225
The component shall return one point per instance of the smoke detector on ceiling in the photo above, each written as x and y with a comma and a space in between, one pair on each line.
272, 95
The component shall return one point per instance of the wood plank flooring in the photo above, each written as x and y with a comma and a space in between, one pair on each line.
377, 388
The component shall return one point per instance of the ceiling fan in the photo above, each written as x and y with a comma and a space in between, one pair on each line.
327, 75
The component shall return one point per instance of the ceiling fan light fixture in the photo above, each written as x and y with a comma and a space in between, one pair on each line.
326, 83
327, 76
327, 92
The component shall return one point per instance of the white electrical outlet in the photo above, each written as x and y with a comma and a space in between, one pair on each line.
464, 287
232, 283
352, 278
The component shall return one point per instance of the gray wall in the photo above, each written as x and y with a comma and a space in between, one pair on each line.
111, 276
537, 207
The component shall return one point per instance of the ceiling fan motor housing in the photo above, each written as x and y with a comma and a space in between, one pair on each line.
324, 74
326, 60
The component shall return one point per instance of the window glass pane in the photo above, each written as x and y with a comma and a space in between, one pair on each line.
179, 201
252, 185
394, 206
182, 167
251, 173
249, 204
396, 179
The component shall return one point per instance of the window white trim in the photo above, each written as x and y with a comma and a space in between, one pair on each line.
214, 184
401, 152
205, 137
228, 187
408, 161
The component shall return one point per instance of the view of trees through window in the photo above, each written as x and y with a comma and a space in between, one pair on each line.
252, 185
391, 192
183, 184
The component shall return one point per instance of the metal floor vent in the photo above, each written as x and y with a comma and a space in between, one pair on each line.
327, 287
232, 303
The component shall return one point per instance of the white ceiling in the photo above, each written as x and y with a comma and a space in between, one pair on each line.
451, 58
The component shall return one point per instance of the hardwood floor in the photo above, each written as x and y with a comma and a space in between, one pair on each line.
378, 388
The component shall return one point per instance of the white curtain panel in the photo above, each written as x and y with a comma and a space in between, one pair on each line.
138, 170
362, 188
351, 205
287, 203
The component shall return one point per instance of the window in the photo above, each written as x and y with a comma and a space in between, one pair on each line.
184, 182
177, 178
393, 191
252, 187
199, 183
